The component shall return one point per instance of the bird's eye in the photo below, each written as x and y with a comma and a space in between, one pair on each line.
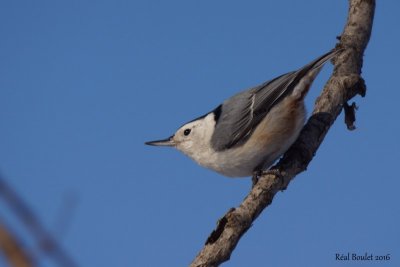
186, 132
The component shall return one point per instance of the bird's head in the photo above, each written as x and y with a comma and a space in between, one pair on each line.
193, 138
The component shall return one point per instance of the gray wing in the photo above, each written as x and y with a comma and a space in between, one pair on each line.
238, 116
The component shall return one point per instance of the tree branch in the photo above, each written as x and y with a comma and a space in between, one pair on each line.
13, 250
45, 241
343, 85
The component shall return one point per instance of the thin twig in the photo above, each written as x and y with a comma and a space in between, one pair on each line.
13, 250
45, 241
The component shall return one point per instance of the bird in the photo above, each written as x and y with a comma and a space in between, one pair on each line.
249, 131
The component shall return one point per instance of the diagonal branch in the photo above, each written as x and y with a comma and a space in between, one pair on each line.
13, 250
344, 84
45, 241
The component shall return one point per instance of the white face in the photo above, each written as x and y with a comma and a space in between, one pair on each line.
194, 137
186, 136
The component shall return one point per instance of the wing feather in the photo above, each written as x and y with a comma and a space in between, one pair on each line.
241, 114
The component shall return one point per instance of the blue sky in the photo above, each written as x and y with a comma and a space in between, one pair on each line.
83, 84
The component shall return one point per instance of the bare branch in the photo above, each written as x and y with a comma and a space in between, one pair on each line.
45, 241
13, 250
343, 85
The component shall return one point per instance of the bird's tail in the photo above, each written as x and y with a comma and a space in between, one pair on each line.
308, 73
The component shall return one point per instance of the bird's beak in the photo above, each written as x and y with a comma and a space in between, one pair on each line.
165, 142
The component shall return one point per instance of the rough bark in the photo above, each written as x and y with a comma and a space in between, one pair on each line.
343, 85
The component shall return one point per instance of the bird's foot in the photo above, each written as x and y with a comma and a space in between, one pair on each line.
254, 179
257, 175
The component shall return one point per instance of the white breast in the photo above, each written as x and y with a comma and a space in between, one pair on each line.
272, 137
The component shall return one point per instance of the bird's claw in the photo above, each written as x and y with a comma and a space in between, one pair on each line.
257, 175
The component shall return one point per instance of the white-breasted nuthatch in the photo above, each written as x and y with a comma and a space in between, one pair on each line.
252, 129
